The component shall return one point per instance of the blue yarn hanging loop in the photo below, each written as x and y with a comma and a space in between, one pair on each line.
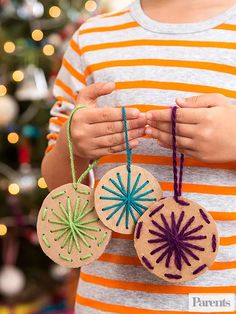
128, 150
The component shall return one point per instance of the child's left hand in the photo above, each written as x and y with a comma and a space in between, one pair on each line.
206, 128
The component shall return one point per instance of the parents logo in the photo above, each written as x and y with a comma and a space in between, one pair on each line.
212, 302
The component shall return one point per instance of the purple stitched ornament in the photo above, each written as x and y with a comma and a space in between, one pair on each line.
176, 239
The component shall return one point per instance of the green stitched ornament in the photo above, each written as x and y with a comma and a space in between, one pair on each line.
69, 230
125, 193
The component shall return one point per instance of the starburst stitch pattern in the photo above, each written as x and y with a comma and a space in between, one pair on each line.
129, 200
73, 226
176, 241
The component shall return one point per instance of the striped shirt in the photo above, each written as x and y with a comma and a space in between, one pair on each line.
152, 63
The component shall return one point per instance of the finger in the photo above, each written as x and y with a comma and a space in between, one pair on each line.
186, 115
185, 130
117, 139
92, 92
115, 149
181, 142
203, 101
189, 153
106, 128
100, 115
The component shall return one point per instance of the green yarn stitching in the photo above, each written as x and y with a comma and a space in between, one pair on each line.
86, 257
65, 258
58, 194
45, 240
103, 238
44, 214
72, 225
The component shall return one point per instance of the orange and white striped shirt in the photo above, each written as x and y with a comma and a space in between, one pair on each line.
152, 63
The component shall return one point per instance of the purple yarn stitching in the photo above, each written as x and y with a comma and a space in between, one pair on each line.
139, 228
174, 240
156, 210
196, 271
147, 263
204, 216
171, 276
213, 243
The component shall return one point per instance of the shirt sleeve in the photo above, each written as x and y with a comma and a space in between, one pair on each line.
69, 81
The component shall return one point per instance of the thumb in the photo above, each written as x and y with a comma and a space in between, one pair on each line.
89, 94
203, 101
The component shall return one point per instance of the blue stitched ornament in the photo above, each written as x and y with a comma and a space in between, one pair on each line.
69, 230
125, 193
176, 239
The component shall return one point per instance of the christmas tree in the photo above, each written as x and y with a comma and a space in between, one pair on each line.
33, 37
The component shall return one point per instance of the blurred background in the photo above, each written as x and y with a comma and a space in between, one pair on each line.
33, 37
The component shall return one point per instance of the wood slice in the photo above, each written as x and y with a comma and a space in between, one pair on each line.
175, 242
69, 230
113, 197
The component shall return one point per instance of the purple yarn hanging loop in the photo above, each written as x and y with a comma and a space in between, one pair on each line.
178, 180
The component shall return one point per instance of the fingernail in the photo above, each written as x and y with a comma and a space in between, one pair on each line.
148, 131
142, 115
181, 100
135, 112
133, 144
149, 116
160, 144
141, 131
163, 145
110, 85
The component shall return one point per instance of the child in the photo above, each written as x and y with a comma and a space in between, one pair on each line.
155, 51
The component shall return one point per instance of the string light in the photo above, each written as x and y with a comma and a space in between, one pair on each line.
13, 138
14, 189
42, 184
48, 50
9, 47
37, 35
18, 76
91, 5
54, 11
3, 230
3, 90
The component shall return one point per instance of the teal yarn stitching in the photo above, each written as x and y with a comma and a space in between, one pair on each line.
130, 198
72, 162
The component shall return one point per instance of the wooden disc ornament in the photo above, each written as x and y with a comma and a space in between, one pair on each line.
176, 242
125, 193
176, 239
69, 229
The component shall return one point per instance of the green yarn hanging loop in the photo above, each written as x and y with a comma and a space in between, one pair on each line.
70, 145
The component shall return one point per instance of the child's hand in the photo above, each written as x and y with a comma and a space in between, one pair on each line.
206, 128
97, 132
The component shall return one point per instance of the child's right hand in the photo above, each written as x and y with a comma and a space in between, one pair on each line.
98, 132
